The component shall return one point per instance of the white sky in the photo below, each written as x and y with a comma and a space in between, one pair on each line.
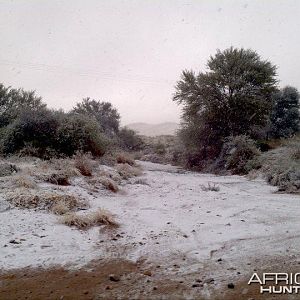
131, 53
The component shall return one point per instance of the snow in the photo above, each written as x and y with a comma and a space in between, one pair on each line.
169, 218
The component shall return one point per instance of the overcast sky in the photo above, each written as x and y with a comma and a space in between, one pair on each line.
131, 53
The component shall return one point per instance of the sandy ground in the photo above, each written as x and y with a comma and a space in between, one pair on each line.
175, 241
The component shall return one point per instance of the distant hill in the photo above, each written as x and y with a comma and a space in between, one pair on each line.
167, 128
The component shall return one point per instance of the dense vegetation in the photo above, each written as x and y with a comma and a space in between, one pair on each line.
234, 111
28, 127
234, 115
237, 95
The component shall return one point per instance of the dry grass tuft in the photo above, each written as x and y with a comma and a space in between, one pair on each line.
126, 171
109, 184
57, 178
62, 166
100, 217
57, 203
124, 158
24, 181
111, 174
83, 164
141, 181
210, 187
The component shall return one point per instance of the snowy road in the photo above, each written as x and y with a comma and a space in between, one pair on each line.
167, 219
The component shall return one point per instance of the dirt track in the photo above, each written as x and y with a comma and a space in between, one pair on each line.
135, 281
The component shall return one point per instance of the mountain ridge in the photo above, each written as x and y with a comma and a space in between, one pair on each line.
148, 129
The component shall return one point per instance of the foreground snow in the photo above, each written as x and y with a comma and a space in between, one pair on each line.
169, 219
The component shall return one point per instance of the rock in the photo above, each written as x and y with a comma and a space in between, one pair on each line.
154, 288
147, 273
7, 169
230, 285
198, 280
4, 205
108, 287
196, 285
114, 277
14, 242
209, 280
220, 259
185, 236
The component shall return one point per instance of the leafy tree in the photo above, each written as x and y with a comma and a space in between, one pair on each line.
80, 133
231, 98
14, 101
106, 115
129, 140
285, 117
36, 128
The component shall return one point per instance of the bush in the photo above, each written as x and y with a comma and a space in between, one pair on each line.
129, 140
282, 167
104, 113
78, 132
37, 129
14, 101
285, 116
237, 152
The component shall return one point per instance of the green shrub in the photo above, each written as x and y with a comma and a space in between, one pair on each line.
129, 140
237, 152
282, 167
80, 133
47, 134
34, 128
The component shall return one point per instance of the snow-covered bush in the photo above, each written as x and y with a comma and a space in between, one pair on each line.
282, 167
237, 152
99, 217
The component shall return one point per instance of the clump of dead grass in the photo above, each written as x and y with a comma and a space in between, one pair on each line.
61, 166
57, 178
24, 181
83, 164
210, 187
141, 181
109, 184
126, 171
124, 158
112, 174
97, 218
56, 203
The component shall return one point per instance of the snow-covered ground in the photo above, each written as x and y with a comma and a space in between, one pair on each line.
166, 220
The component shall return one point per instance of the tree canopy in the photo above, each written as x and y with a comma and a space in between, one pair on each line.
285, 116
233, 97
105, 114
14, 101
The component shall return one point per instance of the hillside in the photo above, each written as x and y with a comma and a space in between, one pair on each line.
167, 128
